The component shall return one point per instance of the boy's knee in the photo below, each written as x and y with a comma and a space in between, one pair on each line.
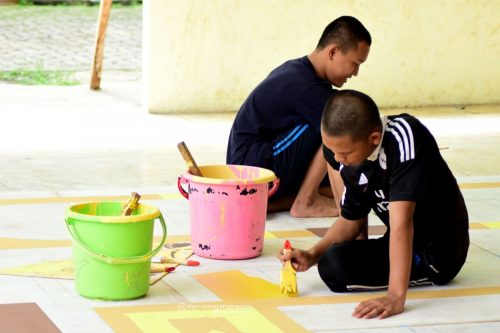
332, 270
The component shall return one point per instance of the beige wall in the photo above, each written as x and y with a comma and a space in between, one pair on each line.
207, 55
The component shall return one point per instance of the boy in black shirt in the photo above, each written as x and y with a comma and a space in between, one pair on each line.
278, 125
393, 166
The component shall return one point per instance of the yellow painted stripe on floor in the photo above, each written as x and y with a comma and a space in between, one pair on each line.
484, 225
174, 239
473, 186
361, 296
291, 233
7, 243
491, 225
21, 243
269, 234
160, 196
171, 196
51, 200
477, 226
234, 284
118, 317
354, 297
453, 292
17, 243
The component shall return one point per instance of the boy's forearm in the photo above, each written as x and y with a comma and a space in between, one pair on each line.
400, 262
400, 255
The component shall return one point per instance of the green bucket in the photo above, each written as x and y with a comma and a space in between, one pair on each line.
112, 253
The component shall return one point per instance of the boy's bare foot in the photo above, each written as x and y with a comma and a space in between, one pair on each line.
319, 206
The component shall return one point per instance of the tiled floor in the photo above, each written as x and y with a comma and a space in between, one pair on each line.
60, 146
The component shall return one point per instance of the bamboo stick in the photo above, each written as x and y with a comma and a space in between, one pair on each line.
104, 9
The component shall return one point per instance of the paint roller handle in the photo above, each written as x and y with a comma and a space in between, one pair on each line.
188, 158
133, 201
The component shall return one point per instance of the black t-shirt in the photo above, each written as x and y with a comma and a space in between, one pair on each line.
409, 167
292, 94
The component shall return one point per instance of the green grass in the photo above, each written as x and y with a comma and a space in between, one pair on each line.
39, 76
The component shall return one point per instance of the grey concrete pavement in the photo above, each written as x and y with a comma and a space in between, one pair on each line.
63, 38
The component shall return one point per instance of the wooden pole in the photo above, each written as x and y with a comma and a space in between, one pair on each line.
104, 9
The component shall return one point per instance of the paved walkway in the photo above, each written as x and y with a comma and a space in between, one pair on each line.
63, 37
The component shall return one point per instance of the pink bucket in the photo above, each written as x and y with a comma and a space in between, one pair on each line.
228, 207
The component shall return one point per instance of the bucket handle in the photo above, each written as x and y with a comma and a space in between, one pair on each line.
126, 260
181, 180
272, 190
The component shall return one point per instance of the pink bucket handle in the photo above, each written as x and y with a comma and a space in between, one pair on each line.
276, 184
181, 180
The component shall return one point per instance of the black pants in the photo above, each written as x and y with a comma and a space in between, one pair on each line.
364, 265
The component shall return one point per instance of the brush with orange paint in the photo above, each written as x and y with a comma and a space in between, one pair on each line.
159, 269
288, 274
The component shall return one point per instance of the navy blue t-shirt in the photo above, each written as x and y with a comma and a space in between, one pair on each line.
292, 94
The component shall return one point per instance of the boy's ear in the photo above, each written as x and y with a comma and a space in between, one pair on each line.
375, 138
333, 49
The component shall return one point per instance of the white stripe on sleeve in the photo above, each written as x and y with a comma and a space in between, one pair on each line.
403, 134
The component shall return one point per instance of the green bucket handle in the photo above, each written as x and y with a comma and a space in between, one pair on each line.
127, 260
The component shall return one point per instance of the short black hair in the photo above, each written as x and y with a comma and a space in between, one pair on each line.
350, 112
347, 32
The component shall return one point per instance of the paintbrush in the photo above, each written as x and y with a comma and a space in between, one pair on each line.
288, 274
159, 269
164, 270
169, 260
188, 158
133, 201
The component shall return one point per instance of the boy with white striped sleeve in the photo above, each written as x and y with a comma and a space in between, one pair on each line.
393, 166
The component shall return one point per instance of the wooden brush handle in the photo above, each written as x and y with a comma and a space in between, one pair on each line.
188, 158
131, 204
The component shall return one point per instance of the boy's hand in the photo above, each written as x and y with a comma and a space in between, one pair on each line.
301, 260
382, 307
